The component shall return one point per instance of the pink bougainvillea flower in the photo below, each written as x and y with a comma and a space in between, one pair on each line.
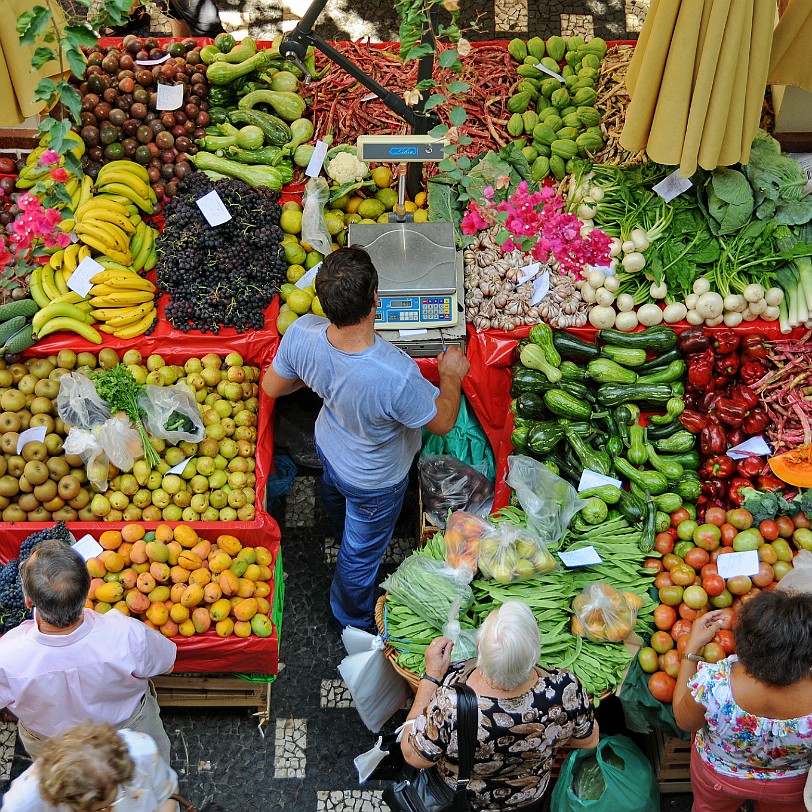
60, 174
49, 158
488, 192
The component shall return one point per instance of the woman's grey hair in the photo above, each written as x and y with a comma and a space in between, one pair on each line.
55, 579
509, 645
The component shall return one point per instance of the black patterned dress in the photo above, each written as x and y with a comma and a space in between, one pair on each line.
517, 737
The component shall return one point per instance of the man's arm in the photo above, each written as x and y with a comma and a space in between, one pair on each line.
275, 386
452, 366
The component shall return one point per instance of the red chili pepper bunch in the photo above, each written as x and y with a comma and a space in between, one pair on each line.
721, 406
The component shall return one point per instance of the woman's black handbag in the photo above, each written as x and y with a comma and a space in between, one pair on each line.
427, 792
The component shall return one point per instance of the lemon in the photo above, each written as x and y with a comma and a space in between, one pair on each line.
294, 253
410, 206
382, 175
299, 301
421, 216
335, 222
306, 245
315, 307
291, 221
311, 289
313, 258
419, 199
384, 218
353, 203
352, 218
284, 320
366, 220
334, 247
389, 197
295, 273
341, 202
291, 205
371, 208
341, 238
285, 291
290, 238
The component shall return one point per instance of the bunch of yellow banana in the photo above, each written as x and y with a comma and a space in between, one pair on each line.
123, 302
126, 181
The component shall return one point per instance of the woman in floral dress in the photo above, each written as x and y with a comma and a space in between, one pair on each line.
752, 712
525, 713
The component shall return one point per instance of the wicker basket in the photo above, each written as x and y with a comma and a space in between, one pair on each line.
391, 654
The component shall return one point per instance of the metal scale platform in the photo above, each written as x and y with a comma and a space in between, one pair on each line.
420, 272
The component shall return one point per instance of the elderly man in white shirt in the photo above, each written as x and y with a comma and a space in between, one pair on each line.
70, 664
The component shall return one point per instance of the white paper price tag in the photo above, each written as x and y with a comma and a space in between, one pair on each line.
412, 333
805, 160
32, 435
585, 557
672, 186
307, 279
541, 287
79, 280
549, 72
148, 62
369, 97
178, 469
733, 564
316, 159
170, 97
754, 445
87, 547
528, 272
592, 479
213, 209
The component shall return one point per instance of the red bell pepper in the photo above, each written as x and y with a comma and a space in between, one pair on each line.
735, 436
693, 340
725, 341
700, 369
715, 488
720, 466
708, 401
755, 421
744, 395
752, 372
771, 483
754, 346
726, 364
693, 421
729, 411
737, 484
750, 467
713, 438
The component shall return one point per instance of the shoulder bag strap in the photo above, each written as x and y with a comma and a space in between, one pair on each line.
467, 724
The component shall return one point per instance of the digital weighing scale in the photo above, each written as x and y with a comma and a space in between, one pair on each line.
420, 271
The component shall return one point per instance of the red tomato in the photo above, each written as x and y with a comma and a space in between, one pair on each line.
664, 617
725, 639
801, 520
672, 595
728, 618
661, 642
682, 644
713, 584
709, 569
768, 530
663, 543
728, 533
713, 652
663, 579
683, 575
697, 558
715, 515
680, 628
653, 564
670, 560
687, 613
671, 662
785, 527
679, 516
740, 518
662, 686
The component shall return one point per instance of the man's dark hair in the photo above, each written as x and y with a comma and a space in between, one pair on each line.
346, 285
55, 579
774, 637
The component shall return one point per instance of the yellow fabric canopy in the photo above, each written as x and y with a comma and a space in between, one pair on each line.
17, 81
790, 63
697, 81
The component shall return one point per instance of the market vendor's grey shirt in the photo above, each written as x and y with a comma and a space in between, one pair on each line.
375, 402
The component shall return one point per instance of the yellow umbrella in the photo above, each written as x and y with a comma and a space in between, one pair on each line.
17, 81
789, 62
696, 81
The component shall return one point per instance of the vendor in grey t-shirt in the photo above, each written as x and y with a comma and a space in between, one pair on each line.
369, 429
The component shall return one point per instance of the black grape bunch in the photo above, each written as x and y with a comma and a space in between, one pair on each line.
12, 606
222, 276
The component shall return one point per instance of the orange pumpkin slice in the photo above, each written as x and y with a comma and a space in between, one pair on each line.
794, 467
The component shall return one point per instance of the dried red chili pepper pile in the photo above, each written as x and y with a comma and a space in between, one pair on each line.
337, 99
785, 387
724, 408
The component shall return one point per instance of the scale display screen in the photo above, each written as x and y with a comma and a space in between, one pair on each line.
413, 311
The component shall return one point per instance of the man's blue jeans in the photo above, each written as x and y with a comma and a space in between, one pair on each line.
363, 521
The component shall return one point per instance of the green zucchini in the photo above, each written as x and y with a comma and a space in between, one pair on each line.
675, 443
590, 458
605, 370
673, 409
544, 437
638, 454
564, 404
572, 372
663, 360
288, 106
662, 521
612, 394
632, 507
656, 339
518, 438
594, 511
610, 494
689, 488
649, 533
668, 467
276, 132
655, 432
534, 357
529, 405
542, 336
652, 481
687, 459
528, 380
668, 502
627, 356
673, 372
570, 346
614, 439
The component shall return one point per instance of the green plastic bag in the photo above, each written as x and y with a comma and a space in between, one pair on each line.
466, 442
641, 710
614, 776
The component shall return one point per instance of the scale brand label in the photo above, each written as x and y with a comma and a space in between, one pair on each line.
403, 152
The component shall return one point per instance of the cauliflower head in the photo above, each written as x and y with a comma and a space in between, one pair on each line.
346, 168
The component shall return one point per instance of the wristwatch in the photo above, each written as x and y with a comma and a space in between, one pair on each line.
695, 658
437, 682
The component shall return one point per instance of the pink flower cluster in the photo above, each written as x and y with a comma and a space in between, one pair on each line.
33, 229
537, 222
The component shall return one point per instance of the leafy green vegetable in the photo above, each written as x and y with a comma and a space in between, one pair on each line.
767, 505
119, 388
730, 201
443, 205
177, 421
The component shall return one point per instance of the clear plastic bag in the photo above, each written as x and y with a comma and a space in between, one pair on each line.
430, 588
511, 553
464, 640
447, 484
171, 413
314, 223
604, 615
85, 443
121, 442
463, 534
548, 500
799, 578
78, 403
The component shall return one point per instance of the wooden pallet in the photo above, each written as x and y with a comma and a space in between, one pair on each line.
671, 759
192, 691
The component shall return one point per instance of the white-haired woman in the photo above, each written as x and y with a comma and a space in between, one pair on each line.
525, 713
